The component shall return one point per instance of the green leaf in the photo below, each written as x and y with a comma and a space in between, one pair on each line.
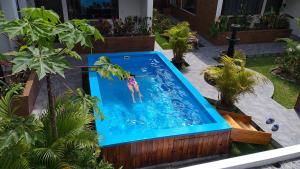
40, 13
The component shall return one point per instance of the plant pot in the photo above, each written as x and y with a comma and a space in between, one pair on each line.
223, 107
180, 64
252, 36
121, 44
24, 103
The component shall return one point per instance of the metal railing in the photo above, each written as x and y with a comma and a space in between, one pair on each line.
253, 160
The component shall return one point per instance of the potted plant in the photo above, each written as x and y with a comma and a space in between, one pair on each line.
179, 36
130, 34
231, 79
25, 85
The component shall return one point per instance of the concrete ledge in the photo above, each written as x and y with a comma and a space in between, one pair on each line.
253, 160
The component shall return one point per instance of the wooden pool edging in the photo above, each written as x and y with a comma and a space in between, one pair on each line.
165, 150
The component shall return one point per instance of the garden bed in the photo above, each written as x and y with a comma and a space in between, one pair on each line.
121, 44
286, 92
162, 41
24, 103
252, 36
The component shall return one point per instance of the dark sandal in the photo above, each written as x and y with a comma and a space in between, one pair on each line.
270, 121
275, 127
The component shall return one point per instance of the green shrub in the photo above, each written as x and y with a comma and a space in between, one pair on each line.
290, 60
232, 79
179, 41
161, 23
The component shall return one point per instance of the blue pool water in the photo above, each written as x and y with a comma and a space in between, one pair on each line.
171, 106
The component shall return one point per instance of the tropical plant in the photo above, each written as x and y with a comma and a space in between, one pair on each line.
104, 26
6, 87
131, 25
221, 25
26, 142
17, 135
232, 79
179, 41
106, 69
161, 23
41, 29
290, 60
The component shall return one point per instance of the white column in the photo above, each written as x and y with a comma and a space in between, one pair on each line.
150, 11
65, 9
263, 8
22, 4
10, 10
219, 9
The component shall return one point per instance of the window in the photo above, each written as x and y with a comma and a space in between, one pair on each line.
54, 5
173, 2
189, 5
242, 7
273, 5
93, 9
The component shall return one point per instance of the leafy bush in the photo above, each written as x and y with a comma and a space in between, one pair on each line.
16, 87
27, 142
179, 41
274, 21
131, 26
248, 22
161, 23
290, 60
104, 27
221, 25
118, 27
232, 79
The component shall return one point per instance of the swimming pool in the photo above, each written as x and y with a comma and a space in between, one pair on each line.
171, 106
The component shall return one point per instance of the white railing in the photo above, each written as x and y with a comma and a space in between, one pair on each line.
253, 160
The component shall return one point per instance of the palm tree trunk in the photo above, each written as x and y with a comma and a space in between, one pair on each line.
51, 107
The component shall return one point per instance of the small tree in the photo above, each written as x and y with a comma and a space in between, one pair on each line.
178, 38
232, 79
48, 43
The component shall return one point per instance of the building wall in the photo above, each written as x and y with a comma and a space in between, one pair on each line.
202, 20
135, 8
293, 9
10, 11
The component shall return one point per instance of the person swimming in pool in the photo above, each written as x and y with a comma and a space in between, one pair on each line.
133, 85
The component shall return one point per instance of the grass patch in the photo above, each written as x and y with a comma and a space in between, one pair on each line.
163, 42
286, 92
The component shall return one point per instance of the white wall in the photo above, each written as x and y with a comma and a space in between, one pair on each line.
135, 8
293, 9
10, 11
130, 8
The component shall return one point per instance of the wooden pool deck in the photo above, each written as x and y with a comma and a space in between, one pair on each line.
166, 150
